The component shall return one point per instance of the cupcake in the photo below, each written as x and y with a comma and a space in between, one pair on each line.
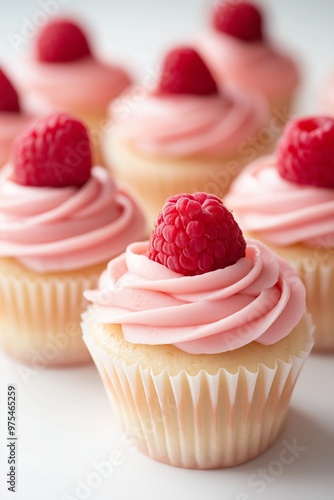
60, 219
13, 119
287, 201
61, 72
199, 336
237, 50
184, 136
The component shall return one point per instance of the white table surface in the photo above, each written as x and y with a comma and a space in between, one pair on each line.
65, 429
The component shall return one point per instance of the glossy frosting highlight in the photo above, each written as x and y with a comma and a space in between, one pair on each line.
260, 298
279, 211
186, 125
57, 229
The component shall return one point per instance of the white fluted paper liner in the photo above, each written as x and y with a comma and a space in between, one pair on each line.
318, 278
40, 317
203, 421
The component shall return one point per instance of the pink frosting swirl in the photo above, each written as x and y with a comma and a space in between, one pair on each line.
282, 212
260, 298
57, 229
254, 65
87, 84
186, 125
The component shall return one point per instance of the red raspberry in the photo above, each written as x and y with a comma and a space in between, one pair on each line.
184, 72
305, 153
61, 41
196, 234
54, 152
241, 20
9, 100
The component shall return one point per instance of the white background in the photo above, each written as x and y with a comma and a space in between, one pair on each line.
65, 427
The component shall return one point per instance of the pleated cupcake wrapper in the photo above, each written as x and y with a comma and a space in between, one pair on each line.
40, 319
203, 421
318, 278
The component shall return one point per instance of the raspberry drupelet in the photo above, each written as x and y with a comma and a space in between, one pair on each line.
53, 152
305, 152
196, 234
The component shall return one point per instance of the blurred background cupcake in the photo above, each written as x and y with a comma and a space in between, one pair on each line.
60, 220
237, 48
199, 337
185, 135
287, 201
62, 72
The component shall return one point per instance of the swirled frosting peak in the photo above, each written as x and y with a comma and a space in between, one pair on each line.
187, 125
279, 211
257, 65
87, 84
57, 229
259, 298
